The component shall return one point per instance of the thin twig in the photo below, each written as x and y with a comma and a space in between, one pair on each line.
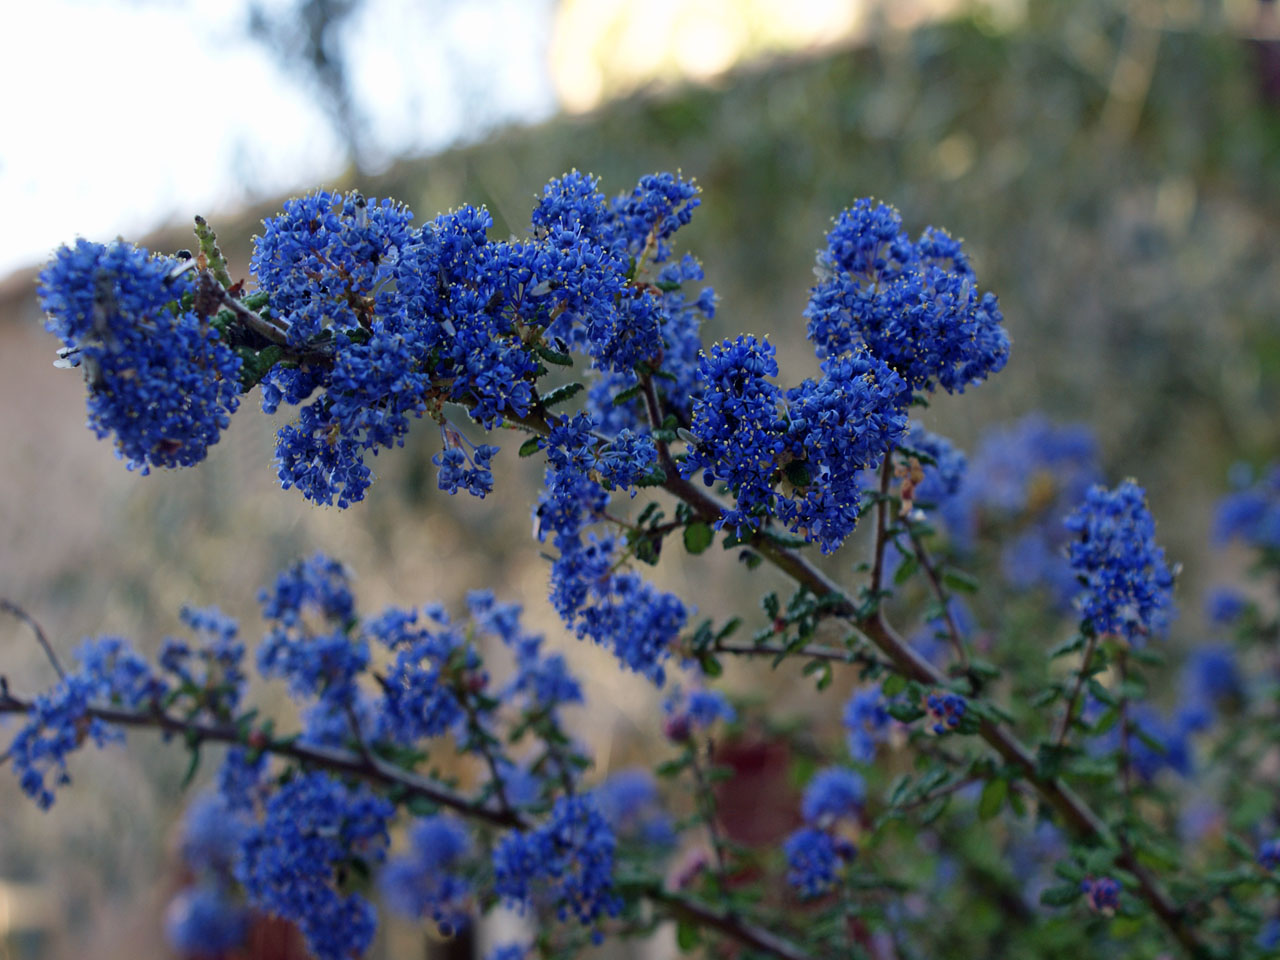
881, 541
13, 609
939, 591
1065, 728
408, 784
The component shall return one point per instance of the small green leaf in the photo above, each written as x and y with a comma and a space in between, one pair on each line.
797, 473
562, 393
698, 536
906, 570
1064, 894
530, 447
992, 800
553, 356
959, 580
893, 685
687, 936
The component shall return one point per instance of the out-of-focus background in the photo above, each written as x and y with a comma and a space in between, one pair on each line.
1114, 168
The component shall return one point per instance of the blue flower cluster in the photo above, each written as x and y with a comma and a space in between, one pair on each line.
414, 318
615, 608
205, 918
323, 662
914, 305
629, 801
946, 709
866, 722
1252, 511
291, 861
1024, 479
205, 921
1102, 894
1269, 854
214, 668
161, 379
817, 437
694, 711
108, 672
818, 851
424, 881
567, 861
1127, 586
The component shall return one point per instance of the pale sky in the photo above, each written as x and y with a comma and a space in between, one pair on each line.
121, 115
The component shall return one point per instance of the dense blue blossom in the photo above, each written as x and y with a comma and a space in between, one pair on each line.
630, 803
915, 306
835, 793
211, 833
1127, 584
160, 377
108, 672
460, 467
1102, 894
1269, 854
314, 662
695, 711
424, 881
946, 709
1212, 678
418, 696
1225, 605
215, 667
568, 861
323, 259
311, 826
1252, 512
866, 722
204, 921
818, 437
814, 860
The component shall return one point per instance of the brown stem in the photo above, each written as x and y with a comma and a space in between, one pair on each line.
13, 609
1065, 729
939, 591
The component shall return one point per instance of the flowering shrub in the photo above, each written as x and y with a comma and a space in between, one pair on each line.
1022, 806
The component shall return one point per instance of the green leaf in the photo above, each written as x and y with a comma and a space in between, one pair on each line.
192, 766
959, 580
893, 685
797, 473
627, 395
687, 936
992, 799
698, 536
562, 393
530, 447
1064, 894
553, 356
906, 570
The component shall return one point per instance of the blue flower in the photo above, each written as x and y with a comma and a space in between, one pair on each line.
569, 860
814, 860
1127, 584
424, 881
289, 863
160, 377
1102, 894
204, 921
834, 794
867, 722
914, 306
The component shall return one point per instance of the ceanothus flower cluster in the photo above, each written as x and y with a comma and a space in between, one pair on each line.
161, 377
817, 852
1127, 585
914, 305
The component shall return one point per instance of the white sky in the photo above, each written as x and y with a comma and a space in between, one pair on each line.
119, 115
